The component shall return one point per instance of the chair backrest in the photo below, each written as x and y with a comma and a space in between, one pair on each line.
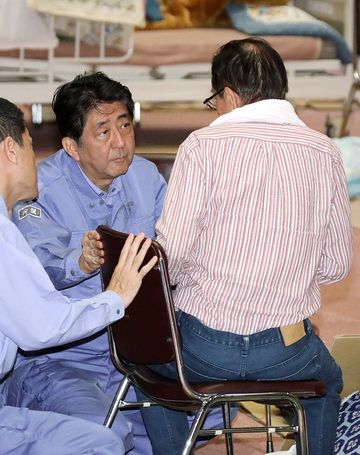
145, 334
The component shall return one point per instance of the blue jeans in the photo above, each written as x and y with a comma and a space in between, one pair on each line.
211, 355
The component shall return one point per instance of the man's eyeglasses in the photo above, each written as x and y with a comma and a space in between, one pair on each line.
211, 102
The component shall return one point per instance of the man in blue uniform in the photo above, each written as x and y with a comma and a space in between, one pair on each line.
33, 315
95, 179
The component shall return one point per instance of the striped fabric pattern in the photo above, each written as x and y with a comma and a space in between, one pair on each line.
256, 217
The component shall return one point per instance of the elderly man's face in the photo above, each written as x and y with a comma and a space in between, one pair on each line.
106, 147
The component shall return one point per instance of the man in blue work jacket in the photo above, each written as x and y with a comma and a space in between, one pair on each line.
33, 315
95, 179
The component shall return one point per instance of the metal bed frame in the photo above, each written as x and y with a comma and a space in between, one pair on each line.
35, 81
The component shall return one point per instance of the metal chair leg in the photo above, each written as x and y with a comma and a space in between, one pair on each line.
195, 428
302, 440
120, 394
269, 438
226, 407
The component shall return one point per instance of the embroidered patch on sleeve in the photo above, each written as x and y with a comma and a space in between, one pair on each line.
29, 210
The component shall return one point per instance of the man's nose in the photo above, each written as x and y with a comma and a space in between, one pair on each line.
117, 138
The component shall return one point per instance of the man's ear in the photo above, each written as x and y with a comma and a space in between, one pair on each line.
233, 98
71, 148
11, 149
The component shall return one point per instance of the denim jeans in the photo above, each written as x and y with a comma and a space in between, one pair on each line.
212, 355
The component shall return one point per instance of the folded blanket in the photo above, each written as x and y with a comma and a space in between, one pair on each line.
285, 20
130, 12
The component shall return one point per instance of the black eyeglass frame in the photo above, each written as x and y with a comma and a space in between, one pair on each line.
210, 101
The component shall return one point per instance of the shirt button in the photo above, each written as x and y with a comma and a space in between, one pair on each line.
113, 190
101, 202
91, 205
73, 273
101, 194
117, 311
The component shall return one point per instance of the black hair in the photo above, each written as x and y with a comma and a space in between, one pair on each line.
250, 67
11, 121
73, 100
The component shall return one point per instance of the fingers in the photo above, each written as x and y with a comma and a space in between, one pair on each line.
139, 258
90, 237
147, 267
92, 256
93, 244
94, 235
133, 257
126, 279
130, 248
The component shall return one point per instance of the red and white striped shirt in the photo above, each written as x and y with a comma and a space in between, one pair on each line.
256, 217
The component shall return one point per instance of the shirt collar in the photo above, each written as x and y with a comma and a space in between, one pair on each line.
264, 111
114, 187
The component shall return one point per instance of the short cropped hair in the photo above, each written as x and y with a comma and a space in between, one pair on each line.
250, 67
11, 121
73, 101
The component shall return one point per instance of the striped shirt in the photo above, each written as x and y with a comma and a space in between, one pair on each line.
256, 217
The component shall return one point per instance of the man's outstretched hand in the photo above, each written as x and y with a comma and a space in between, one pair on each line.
127, 277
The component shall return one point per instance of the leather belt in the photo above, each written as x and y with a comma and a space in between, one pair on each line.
293, 333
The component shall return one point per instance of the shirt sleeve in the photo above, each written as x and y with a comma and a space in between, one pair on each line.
337, 253
180, 223
25, 314
57, 248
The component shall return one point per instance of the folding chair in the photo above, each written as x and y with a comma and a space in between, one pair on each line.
356, 75
148, 334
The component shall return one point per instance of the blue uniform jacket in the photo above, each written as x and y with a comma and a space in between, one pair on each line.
32, 314
69, 204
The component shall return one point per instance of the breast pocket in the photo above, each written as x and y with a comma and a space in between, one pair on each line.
144, 222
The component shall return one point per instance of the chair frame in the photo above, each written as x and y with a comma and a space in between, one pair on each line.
132, 361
